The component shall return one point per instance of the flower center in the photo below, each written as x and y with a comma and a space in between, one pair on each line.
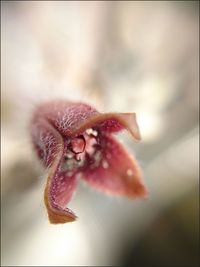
77, 144
82, 150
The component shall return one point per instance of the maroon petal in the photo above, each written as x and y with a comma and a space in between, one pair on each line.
47, 141
60, 185
71, 119
58, 192
114, 171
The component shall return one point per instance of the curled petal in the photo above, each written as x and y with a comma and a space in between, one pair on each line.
58, 193
112, 123
49, 146
71, 119
115, 171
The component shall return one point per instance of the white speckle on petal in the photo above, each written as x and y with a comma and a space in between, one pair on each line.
95, 133
105, 164
129, 172
90, 131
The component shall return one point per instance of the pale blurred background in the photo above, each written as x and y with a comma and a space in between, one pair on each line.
139, 56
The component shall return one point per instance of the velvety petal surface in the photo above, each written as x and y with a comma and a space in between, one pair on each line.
113, 170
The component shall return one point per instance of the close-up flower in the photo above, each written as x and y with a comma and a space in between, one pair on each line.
74, 140
100, 133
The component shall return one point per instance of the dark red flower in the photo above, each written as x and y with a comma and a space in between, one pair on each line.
74, 140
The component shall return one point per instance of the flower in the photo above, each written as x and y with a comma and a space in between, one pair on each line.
74, 140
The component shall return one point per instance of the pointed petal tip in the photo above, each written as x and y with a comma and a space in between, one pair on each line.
132, 125
142, 192
57, 214
57, 217
139, 190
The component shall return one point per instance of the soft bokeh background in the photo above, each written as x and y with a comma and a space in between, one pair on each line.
140, 56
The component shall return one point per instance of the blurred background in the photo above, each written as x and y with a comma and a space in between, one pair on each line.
124, 56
